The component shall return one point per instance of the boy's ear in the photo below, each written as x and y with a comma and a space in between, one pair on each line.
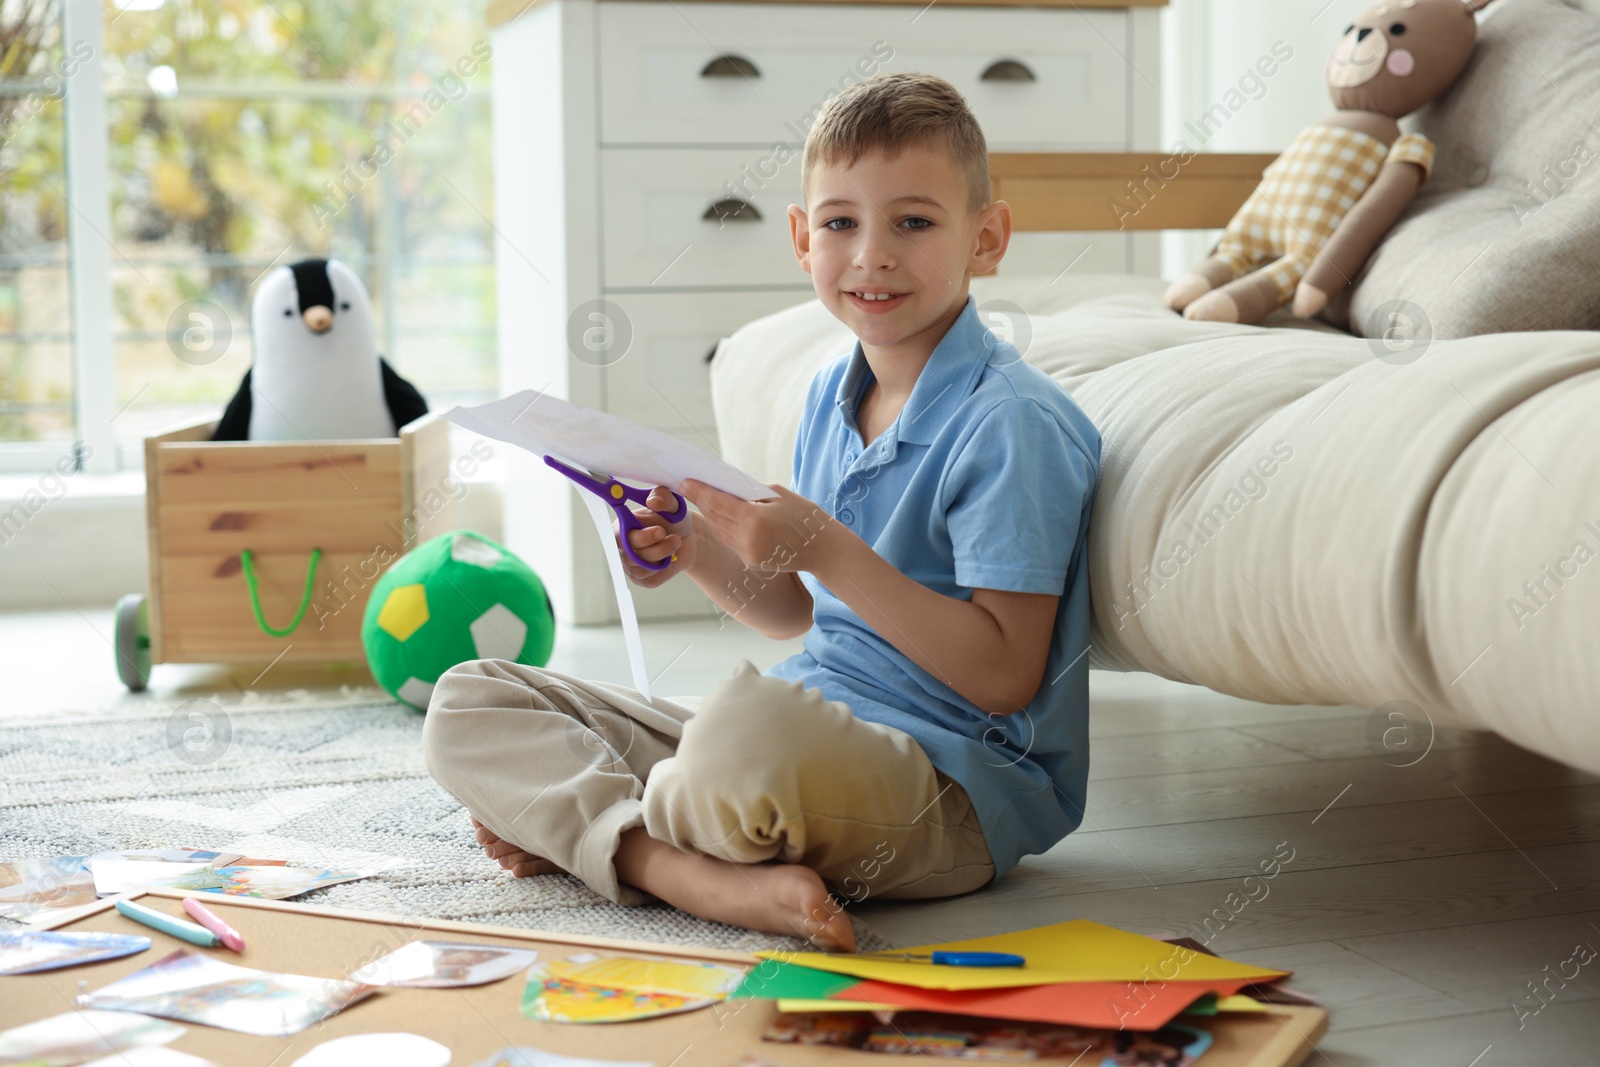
800, 235
993, 236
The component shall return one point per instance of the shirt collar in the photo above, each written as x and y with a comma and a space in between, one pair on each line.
946, 380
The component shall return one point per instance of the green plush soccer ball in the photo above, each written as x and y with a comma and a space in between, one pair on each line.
455, 598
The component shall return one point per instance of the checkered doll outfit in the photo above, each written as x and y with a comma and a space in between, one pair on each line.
1303, 196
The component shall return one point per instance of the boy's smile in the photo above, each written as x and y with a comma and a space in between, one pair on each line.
891, 246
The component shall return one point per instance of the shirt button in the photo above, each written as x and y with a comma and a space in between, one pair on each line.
847, 516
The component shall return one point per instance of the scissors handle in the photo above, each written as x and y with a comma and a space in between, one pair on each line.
628, 521
978, 959
618, 495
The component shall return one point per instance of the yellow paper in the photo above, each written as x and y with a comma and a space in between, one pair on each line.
1076, 951
648, 976
1240, 1002
830, 1005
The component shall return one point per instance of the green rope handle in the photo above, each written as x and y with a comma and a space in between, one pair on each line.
255, 594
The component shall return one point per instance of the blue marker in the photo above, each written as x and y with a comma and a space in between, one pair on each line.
179, 928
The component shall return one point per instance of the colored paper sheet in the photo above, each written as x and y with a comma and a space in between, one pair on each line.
775, 980
588, 988
830, 1005
1112, 1005
1240, 1002
1075, 951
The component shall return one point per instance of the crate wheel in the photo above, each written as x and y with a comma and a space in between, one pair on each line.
133, 642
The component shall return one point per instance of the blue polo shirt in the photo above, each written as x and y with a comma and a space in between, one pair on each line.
985, 480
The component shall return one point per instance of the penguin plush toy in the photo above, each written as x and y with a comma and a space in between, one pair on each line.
317, 374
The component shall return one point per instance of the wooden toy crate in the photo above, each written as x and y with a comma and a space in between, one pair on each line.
363, 502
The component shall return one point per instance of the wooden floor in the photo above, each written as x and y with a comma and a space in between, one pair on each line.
1446, 912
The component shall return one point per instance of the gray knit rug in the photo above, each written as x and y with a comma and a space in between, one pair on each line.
319, 779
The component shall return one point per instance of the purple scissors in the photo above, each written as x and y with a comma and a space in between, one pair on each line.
617, 495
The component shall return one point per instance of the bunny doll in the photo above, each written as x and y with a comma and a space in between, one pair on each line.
1326, 202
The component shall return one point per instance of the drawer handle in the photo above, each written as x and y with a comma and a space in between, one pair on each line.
732, 208
730, 66
1008, 70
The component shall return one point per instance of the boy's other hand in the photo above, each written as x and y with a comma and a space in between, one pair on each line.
784, 534
658, 540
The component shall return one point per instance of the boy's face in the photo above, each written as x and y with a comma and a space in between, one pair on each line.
900, 227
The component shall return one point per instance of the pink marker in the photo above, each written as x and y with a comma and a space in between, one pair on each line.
208, 918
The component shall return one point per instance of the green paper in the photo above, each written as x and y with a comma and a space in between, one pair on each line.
1205, 1005
776, 980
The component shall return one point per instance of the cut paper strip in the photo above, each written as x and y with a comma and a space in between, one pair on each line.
775, 979
45, 950
600, 515
1109, 1005
271, 883
77, 1036
151, 1056
389, 1049
38, 889
445, 965
120, 872
1075, 951
200, 989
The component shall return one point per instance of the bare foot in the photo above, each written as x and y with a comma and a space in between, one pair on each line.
520, 863
1185, 291
1215, 306
776, 898
1308, 300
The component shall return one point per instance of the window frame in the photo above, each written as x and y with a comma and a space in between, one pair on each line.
90, 253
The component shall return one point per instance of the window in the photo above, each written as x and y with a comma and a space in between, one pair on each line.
238, 136
35, 326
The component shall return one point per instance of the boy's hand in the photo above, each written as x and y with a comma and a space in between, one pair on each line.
778, 535
659, 540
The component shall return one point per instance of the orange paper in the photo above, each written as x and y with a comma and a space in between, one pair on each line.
1116, 1005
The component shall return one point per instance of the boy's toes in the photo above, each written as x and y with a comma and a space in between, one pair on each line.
532, 865
521, 863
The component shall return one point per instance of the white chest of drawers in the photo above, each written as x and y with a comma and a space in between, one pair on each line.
646, 152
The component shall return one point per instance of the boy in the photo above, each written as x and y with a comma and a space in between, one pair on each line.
932, 551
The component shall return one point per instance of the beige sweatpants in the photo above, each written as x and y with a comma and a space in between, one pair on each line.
761, 770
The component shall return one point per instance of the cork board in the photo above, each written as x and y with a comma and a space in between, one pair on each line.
475, 1023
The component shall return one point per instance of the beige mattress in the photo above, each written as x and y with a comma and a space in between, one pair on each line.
1286, 517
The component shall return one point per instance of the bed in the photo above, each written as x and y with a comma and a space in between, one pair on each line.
1295, 513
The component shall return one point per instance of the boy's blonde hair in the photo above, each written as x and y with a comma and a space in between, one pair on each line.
893, 110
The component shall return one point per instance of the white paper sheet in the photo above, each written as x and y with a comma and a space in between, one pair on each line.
601, 443
604, 444
600, 512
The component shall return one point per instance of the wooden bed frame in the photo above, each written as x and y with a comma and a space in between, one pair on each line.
1099, 191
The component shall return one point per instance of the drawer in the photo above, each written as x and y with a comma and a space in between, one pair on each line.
655, 232
1037, 78
664, 380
